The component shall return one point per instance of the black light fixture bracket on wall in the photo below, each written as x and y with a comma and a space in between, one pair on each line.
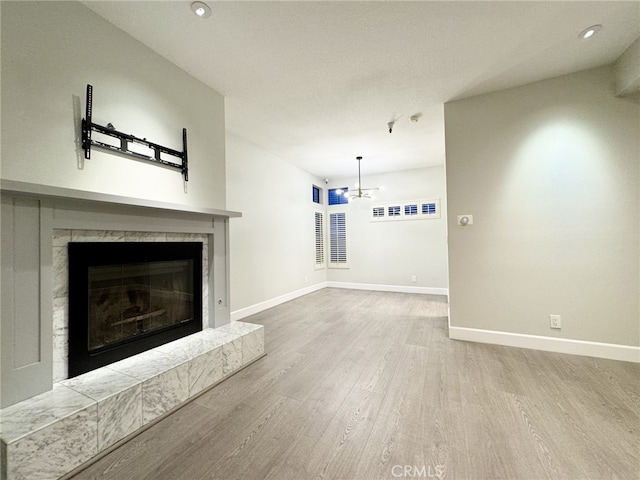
87, 142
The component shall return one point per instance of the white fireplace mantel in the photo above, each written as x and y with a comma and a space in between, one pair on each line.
30, 214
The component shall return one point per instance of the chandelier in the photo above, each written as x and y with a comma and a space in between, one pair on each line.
362, 192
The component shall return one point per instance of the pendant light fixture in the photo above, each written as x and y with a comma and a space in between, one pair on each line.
362, 192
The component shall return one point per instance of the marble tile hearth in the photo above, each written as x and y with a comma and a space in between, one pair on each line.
51, 434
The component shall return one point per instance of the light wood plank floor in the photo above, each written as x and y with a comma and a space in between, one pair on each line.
367, 385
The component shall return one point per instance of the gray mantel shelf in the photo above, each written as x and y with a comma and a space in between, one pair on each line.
35, 190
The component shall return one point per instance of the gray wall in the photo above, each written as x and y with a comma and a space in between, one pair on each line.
272, 255
272, 250
550, 172
50, 52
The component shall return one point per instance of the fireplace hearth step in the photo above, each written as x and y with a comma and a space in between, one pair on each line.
50, 435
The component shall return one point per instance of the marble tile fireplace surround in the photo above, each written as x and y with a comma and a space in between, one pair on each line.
61, 276
51, 424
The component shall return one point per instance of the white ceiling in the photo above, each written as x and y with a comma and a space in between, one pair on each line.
316, 83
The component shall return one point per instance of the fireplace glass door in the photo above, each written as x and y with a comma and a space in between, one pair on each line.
130, 300
125, 298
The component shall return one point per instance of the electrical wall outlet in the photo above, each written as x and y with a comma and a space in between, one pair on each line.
414, 278
555, 321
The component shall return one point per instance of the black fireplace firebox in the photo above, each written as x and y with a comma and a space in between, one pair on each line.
128, 297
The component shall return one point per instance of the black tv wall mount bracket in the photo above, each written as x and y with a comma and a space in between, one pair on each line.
87, 142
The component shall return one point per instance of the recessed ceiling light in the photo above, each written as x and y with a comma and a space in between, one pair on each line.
590, 32
201, 9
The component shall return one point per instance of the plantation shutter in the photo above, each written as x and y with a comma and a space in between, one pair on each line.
338, 239
319, 239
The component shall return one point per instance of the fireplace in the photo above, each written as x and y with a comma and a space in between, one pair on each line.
128, 297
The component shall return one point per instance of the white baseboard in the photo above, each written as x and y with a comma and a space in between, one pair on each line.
390, 288
259, 307
625, 353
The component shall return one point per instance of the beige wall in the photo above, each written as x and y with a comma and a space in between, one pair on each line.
50, 52
550, 172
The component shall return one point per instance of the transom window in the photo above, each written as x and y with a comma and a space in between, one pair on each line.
338, 196
411, 209
408, 210
394, 211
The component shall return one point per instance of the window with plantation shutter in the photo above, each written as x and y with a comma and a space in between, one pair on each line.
394, 211
430, 208
410, 209
338, 240
377, 213
319, 239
